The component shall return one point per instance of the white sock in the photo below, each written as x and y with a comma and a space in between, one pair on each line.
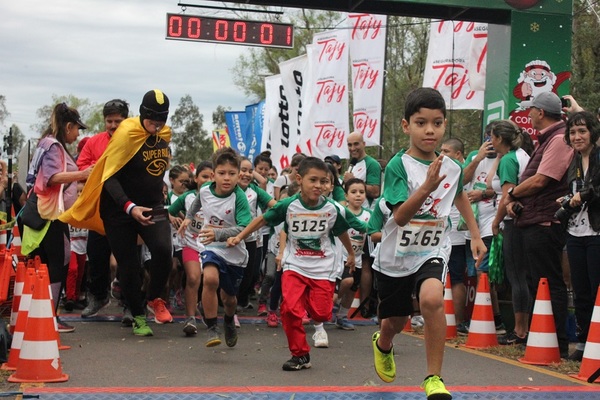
343, 312
319, 327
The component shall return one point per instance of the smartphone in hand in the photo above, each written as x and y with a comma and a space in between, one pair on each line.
157, 214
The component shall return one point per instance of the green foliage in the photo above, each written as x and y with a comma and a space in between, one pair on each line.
251, 69
91, 113
3, 111
218, 117
585, 80
18, 138
190, 141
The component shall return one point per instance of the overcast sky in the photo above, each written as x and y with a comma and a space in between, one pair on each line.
105, 49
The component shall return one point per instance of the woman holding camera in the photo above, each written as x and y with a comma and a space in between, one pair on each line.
583, 213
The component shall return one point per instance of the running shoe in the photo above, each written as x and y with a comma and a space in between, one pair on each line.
272, 320
189, 326
63, 327
511, 338
417, 321
462, 328
115, 289
127, 319
262, 310
305, 319
69, 305
94, 306
213, 336
344, 324
321, 339
140, 326
385, 366
231, 335
236, 321
158, 307
435, 388
501, 329
297, 363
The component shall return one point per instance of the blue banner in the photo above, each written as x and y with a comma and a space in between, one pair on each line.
236, 126
254, 128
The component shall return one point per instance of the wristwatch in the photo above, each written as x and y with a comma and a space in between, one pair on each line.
510, 193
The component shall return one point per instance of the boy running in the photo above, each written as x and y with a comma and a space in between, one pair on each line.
308, 263
225, 211
420, 188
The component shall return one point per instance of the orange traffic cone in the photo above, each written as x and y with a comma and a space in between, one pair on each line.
451, 331
408, 327
16, 242
590, 363
39, 360
21, 321
354, 312
6, 271
542, 343
43, 272
482, 329
17, 292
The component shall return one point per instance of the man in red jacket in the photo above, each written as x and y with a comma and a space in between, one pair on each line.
98, 249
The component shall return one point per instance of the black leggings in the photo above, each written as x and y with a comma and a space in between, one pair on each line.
122, 233
254, 256
52, 252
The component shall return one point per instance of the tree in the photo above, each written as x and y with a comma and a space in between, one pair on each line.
250, 70
585, 81
3, 111
18, 138
91, 113
218, 117
190, 141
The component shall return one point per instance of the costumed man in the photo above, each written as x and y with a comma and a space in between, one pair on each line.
123, 199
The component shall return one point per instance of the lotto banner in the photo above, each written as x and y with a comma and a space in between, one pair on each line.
278, 130
236, 124
326, 122
367, 60
448, 60
293, 74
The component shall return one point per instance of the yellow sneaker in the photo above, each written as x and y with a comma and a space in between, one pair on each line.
384, 363
435, 389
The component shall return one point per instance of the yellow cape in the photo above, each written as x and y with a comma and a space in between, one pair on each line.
124, 144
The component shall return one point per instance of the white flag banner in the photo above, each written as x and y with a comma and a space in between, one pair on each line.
367, 60
294, 84
478, 57
326, 120
447, 67
276, 107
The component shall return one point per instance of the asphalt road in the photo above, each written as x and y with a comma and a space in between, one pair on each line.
104, 354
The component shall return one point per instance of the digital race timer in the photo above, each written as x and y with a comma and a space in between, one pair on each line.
232, 31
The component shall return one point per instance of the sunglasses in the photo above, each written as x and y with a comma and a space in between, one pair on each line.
116, 104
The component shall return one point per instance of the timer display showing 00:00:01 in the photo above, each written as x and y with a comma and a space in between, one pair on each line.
232, 31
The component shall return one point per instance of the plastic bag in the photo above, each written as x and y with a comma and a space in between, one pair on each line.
496, 260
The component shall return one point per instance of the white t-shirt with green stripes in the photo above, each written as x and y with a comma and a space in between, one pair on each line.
310, 248
404, 249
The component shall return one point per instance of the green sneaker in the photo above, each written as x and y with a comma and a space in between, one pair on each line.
384, 363
435, 389
140, 326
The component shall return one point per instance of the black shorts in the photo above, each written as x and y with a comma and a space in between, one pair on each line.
396, 294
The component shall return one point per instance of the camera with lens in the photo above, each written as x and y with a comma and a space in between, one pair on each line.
565, 211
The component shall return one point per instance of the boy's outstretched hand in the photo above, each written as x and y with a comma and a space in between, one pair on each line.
478, 249
434, 179
233, 241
